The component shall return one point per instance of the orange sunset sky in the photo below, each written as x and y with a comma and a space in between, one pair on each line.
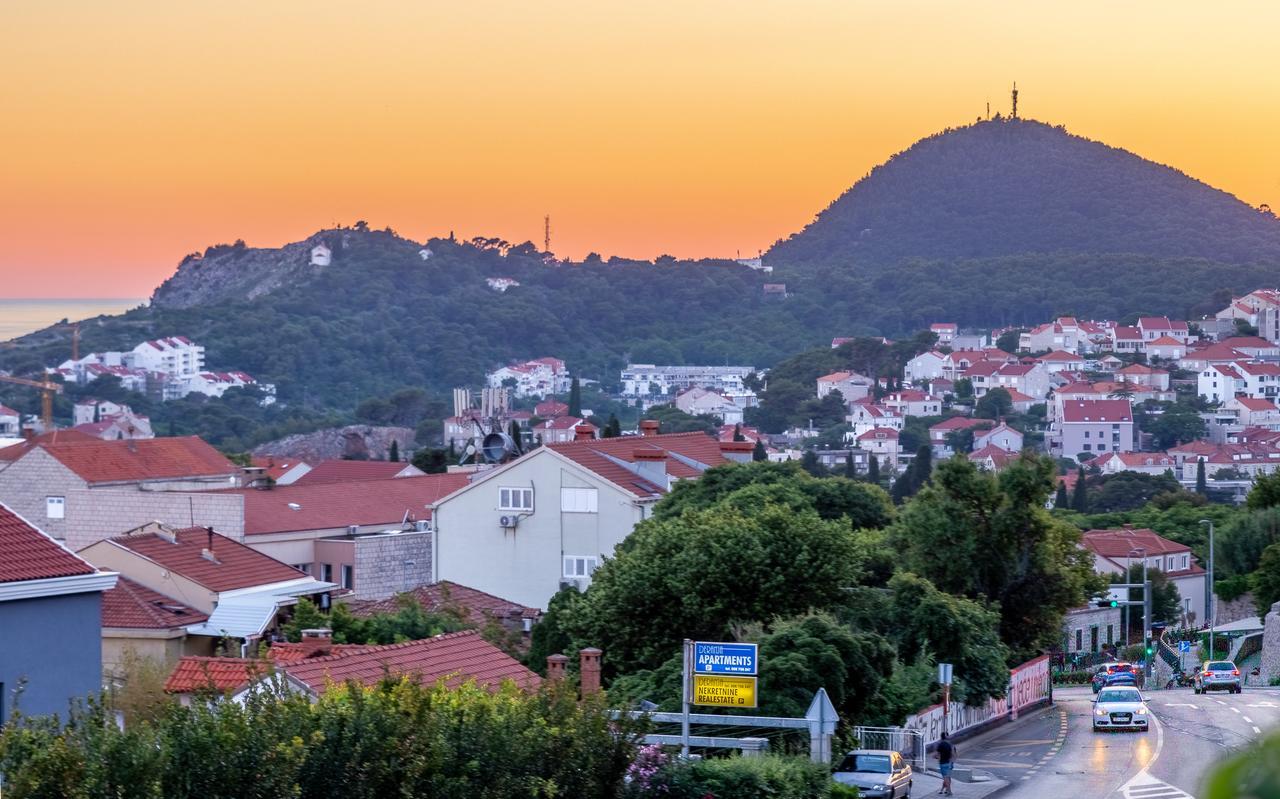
132, 133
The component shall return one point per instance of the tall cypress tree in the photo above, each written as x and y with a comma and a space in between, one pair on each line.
394, 455
1202, 484
1062, 501
759, 453
921, 467
575, 399
1080, 500
612, 428
873, 470
849, 471
737, 433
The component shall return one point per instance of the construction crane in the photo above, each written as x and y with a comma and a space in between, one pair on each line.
47, 389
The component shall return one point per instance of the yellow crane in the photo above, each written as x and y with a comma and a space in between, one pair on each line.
47, 389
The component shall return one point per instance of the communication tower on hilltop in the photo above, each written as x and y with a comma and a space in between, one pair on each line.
546, 233
1015, 99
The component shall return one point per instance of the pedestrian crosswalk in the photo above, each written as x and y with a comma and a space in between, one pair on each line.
1145, 786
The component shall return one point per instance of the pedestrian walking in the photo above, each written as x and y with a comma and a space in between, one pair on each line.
946, 761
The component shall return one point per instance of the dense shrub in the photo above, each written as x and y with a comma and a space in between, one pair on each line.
771, 776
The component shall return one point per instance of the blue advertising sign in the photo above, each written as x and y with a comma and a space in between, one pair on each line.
716, 658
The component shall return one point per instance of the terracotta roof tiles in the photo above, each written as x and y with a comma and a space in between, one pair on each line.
323, 506
337, 471
29, 554
136, 606
138, 460
222, 675
473, 605
235, 565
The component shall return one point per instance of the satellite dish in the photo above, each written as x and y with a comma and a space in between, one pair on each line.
497, 446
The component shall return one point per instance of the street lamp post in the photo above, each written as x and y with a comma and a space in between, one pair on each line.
1208, 595
1146, 604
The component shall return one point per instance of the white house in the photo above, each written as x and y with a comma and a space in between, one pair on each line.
1153, 463
549, 518
1142, 375
945, 331
10, 422
646, 379
536, 378
882, 442
910, 402
1254, 412
706, 402
1166, 348
866, 415
1113, 550
926, 366
1062, 361
851, 385
1092, 426
1002, 436
565, 428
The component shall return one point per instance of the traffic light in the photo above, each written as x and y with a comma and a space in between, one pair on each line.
1150, 648
1106, 603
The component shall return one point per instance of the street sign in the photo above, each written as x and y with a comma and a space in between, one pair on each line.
944, 673
719, 658
1184, 646
1118, 594
724, 691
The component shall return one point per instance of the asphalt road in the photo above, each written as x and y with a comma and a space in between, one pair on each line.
1056, 753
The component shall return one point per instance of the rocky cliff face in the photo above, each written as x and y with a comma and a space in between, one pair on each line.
355, 442
238, 272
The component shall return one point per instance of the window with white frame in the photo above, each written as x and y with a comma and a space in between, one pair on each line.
579, 500
515, 498
55, 507
576, 566
1186, 561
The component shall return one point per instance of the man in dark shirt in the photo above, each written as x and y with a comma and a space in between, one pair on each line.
946, 761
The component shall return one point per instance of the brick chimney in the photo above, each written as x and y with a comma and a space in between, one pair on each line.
317, 642
583, 432
556, 666
651, 464
650, 427
589, 674
738, 451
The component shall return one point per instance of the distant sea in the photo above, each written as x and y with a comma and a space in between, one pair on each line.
19, 317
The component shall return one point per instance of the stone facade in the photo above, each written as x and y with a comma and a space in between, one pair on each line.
1242, 607
1091, 629
389, 564
1271, 646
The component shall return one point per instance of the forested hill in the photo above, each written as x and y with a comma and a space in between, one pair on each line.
1011, 187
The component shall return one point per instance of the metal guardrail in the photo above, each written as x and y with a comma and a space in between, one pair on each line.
908, 743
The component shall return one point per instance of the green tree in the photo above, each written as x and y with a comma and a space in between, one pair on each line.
1251, 774
759, 453
612, 428
549, 636
737, 433
1265, 492
393, 454
575, 398
1202, 486
810, 463
995, 404
849, 470
1080, 498
674, 420
964, 389
873, 470
1178, 424
699, 574
1009, 339
1266, 580
1062, 501
983, 535
432, 461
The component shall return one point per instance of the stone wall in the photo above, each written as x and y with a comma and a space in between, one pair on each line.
1242, 607
1271, 645
94, 514
382, 568
359, 442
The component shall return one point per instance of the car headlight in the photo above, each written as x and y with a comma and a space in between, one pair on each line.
1142, 711
1099, 712
877, 787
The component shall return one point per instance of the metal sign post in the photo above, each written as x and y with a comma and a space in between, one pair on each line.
686, 689
944, 679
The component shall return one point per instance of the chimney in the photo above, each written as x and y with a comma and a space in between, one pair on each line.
651, 464
589, 673
583, 432
28, 433
650, 427
556, 665
316, 642
738, 451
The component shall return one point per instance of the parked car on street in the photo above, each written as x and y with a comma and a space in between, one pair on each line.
876, 773
1218, 675
1120, 708
1118, 673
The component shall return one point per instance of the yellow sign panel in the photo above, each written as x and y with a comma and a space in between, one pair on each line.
714, 689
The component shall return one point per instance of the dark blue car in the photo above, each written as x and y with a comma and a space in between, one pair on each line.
1109, 674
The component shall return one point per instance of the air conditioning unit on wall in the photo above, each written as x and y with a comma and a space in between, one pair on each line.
508, 522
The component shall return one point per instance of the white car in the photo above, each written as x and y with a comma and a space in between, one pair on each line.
1121, 708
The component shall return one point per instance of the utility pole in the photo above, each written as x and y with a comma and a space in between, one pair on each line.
1208, 595
1015, 99
546, 234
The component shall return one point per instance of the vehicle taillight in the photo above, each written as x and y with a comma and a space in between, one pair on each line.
1236, 672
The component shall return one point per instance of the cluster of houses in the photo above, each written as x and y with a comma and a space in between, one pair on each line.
165, 368
540, 377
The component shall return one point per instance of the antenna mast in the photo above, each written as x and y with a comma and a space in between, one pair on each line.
546, 234
1015, 99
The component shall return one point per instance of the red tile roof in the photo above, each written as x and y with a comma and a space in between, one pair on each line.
274, 467
960, 423
146, 459
1062, 356
1116, 544
600, 456
1255, 404
549, 409
1000, 458
5, 410
1124, 332
324, 506
1248, 342
223, 675
1165, 341
563, 423
1099, 410
1221, 352
237, 566
338, 471
879, 433
12, 453
286, 652
472, 605
452, 657
1141, 369
136, 606
29, 554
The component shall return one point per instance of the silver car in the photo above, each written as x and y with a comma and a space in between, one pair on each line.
877, 773
1120, 708
1218, 675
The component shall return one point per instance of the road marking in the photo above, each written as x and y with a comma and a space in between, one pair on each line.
1263, 704
1247, 720
1219, 701
1180, 704
1257, 731
1235, 710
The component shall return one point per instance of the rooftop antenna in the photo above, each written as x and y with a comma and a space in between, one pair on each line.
546, 233
988, 109
1015, 99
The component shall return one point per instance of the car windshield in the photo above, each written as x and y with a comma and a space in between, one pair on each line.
1119, 696
876, 764
1222, 666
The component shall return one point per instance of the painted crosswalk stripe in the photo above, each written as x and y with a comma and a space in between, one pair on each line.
1248, 720
1257, 731
1235, 710
1155, 790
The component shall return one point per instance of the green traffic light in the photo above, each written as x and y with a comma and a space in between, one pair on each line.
1115, 604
